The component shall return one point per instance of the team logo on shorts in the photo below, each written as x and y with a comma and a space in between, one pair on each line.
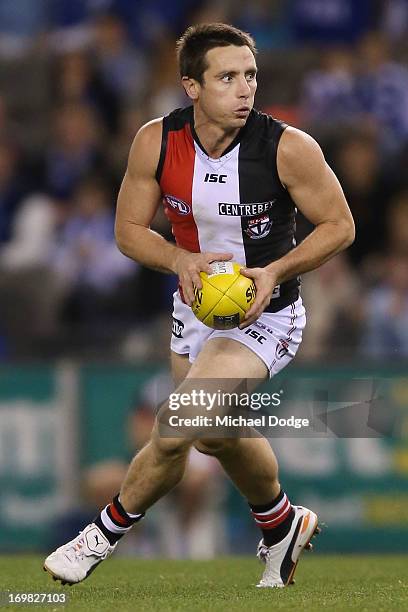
178, 205
177, 328
282, 349
258, 227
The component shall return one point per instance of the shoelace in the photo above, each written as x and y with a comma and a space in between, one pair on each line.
75, 552
262, 553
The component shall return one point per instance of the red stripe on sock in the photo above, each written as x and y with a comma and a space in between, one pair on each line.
117, 517
273, 514
275, 522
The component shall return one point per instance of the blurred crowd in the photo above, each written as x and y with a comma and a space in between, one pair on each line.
77, 80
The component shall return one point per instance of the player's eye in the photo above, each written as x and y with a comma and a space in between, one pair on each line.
250, 76
226, 78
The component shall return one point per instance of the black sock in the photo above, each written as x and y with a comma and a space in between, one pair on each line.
274, 519
115, 522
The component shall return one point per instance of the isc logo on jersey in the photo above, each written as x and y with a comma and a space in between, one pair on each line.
178, 205
215, 178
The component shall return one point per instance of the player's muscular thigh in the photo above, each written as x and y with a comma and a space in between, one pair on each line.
229, 360
229, 363
222, 365
180, 367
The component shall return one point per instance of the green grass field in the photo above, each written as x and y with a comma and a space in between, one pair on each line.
363, 583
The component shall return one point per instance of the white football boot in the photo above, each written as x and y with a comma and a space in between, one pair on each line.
281, 558
75, 560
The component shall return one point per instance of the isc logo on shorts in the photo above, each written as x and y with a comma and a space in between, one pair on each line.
177, 328
256, 335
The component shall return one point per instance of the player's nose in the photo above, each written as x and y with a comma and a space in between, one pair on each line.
243, 88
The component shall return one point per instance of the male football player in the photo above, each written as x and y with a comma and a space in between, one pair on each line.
231, 179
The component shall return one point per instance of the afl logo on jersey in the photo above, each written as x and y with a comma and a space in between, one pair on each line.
178, 205
258, 227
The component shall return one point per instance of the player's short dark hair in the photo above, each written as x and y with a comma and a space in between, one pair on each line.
193, 45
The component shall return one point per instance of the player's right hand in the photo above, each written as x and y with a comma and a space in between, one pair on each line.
188, 267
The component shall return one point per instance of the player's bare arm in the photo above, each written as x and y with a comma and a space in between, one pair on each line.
317, 193
138, 200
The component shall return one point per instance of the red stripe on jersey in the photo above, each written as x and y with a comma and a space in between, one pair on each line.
177, 185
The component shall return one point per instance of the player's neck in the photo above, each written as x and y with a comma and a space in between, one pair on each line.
214, 138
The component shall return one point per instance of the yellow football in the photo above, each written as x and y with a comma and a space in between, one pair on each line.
225, 297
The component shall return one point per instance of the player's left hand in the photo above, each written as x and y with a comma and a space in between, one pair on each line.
265, 282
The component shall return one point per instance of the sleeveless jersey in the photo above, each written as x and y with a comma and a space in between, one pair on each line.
232, 204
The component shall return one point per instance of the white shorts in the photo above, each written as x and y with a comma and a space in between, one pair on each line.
275, 337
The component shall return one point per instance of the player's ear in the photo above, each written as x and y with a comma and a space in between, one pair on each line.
191, 87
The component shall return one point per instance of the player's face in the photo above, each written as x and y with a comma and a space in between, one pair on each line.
229, 85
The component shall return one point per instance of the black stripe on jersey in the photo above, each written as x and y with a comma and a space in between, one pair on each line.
163, 148
267, 236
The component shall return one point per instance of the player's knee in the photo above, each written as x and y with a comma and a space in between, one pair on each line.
216, 446
170, 448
